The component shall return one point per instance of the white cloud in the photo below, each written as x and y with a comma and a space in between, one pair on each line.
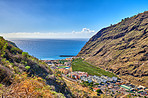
85, 33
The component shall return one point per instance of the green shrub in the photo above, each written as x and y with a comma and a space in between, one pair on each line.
13, 50
98, 91
3, 60
27, 67
25, 54
3, 49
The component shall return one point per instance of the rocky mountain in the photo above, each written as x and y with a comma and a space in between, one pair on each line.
121, 48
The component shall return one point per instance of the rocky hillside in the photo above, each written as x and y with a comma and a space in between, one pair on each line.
121, 48
18, 70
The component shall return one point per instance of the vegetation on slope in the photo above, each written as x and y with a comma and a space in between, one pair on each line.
32, 87
79, 91
81, 65
121, 48
14, 62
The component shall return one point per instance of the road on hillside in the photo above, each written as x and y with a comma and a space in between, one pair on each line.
68, 78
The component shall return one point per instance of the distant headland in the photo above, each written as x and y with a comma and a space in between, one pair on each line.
66, 55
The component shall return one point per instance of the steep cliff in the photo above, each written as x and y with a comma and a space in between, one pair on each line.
121, 48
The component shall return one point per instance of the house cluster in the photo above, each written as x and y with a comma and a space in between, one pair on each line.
85, 77
134, 89
49, 62
123, 87
98, 79
64, 68
78, 75
70, 59
112, 83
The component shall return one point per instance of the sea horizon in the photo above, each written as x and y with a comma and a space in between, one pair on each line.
86, 39
50, 49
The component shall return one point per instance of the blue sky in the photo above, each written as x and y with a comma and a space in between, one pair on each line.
63, 18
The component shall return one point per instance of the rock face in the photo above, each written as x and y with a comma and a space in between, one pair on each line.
121, 48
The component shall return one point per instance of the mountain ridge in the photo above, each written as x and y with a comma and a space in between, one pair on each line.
121, 48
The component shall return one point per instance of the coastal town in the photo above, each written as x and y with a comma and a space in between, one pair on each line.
101, 84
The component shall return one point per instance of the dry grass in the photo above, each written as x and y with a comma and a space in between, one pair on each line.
27, 87
79, 91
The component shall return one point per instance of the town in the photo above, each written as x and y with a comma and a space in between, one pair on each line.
100, 84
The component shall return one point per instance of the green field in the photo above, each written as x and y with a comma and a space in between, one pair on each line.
80, 65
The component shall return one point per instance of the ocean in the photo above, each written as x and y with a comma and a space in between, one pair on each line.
50, 49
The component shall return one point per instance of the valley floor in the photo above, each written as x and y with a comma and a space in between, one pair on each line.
81, 76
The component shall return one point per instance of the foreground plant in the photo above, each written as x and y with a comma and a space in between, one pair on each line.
28, 87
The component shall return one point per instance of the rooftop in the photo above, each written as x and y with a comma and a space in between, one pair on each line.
126, 87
